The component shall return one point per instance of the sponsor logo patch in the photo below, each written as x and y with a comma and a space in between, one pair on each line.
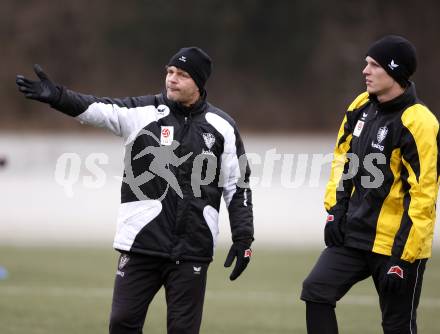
330, 218
166, 135
396, 270
358, 129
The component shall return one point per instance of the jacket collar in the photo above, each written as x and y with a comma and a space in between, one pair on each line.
195, 109
399, 103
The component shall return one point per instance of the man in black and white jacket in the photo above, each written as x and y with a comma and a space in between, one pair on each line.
182, 154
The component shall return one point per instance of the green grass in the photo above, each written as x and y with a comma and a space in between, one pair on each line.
68, 290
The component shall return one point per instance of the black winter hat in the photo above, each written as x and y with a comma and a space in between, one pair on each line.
196, 62
396, 55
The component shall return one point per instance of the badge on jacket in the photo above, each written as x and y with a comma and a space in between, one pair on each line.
358, 129
166, 135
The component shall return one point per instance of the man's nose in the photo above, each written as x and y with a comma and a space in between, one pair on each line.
172, 78
366, 70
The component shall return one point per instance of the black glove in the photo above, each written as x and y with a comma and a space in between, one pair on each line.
334, 229
242, 251
43, 90
395, 275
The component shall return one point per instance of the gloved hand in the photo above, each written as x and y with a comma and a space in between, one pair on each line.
334, 229
394, 278
242, 251
43, 90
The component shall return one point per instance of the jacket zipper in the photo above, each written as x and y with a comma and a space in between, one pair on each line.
186, 125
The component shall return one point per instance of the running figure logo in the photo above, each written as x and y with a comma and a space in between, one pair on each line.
163, 157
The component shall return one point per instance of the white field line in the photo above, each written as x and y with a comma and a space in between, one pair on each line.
254, 296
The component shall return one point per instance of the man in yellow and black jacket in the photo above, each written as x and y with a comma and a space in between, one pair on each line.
381, 196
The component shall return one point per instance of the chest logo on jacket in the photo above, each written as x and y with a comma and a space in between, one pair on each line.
381, 135
209, 139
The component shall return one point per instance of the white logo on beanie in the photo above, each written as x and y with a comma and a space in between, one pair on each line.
182, 58
393, 65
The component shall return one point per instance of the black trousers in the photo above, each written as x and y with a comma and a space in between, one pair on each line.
339, 268
139, 278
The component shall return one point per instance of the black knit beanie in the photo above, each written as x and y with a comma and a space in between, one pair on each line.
196, 62
396, 55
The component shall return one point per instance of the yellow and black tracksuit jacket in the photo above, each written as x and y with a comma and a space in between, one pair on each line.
389, 199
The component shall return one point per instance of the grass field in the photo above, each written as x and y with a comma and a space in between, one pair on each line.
68, 290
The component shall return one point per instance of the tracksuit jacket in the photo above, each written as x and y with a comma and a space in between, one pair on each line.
389, 203
170, 196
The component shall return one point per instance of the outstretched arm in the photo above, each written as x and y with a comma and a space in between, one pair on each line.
120, 116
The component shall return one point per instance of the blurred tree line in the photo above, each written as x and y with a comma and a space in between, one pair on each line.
286, 66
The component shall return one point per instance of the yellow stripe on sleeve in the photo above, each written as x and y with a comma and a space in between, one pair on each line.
423, 126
